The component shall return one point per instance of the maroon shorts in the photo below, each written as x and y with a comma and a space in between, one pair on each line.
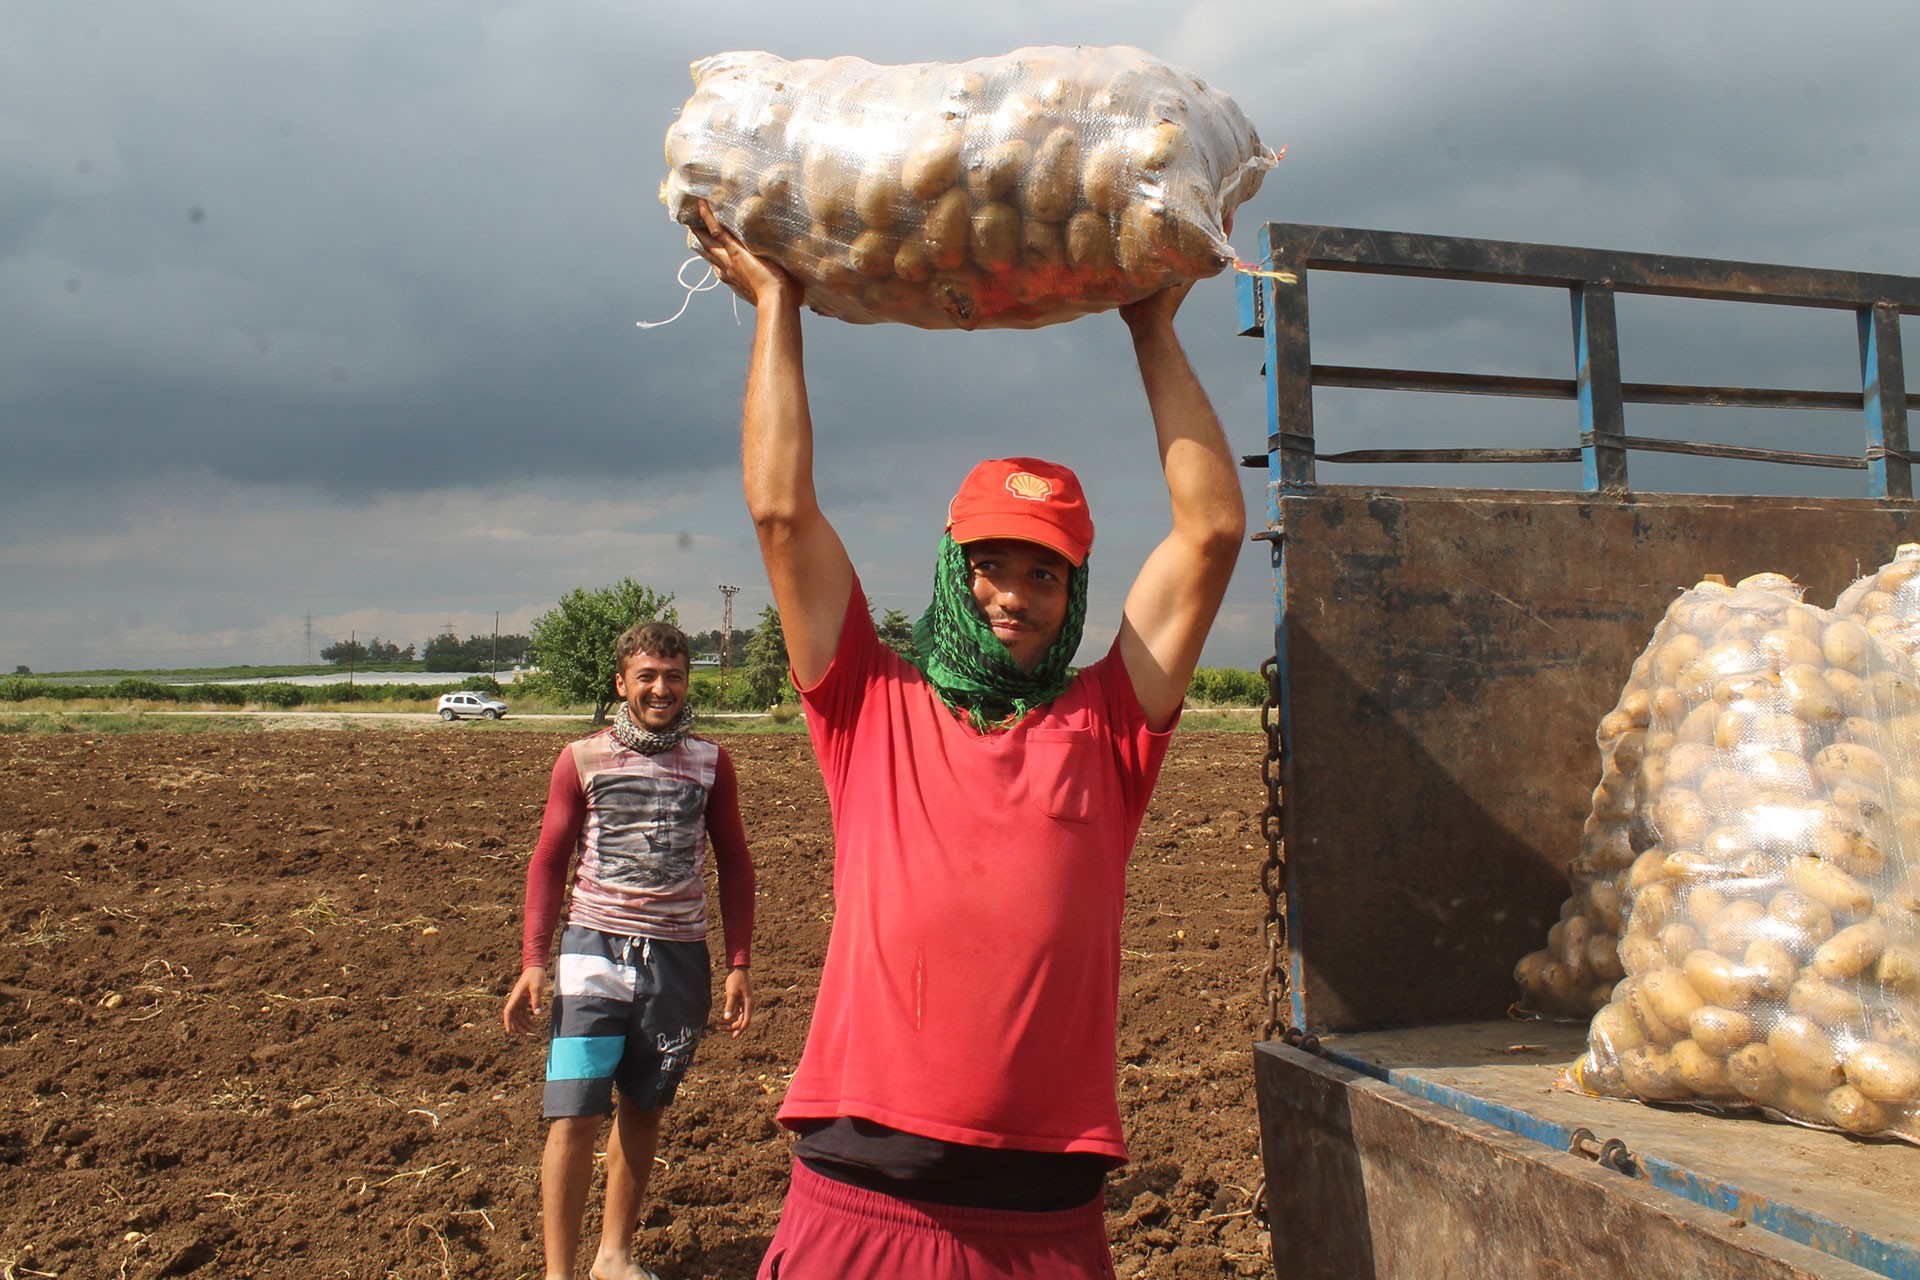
829, 1231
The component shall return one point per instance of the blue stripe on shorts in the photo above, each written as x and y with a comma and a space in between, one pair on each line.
584, 1057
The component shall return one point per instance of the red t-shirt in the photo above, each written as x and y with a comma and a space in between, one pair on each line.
973, 974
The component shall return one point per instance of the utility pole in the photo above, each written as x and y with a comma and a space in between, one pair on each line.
353, 648
493, 670
309, 637
726, 629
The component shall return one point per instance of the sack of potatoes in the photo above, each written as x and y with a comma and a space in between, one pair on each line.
1006, 192
1572, 977
1770, 948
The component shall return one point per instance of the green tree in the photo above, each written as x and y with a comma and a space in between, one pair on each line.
896, 632
444, 653
344, 653
765, 667
573, 642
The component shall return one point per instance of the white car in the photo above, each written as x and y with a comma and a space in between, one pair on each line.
455, 705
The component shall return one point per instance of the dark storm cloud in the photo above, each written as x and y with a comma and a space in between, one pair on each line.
281, 281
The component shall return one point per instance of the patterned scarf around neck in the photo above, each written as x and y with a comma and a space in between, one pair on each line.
967, 664
637, 737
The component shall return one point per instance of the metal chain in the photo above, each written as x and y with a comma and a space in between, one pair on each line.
1275, 982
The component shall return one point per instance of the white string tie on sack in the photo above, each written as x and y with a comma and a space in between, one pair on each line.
707, 281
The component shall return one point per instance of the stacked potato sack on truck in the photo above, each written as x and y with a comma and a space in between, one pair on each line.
1003, 192
1772, 939
1887, 601
1572, 977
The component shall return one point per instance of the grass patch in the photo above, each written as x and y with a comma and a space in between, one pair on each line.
48, 931
1221, 720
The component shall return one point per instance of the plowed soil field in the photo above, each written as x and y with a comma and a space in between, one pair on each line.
250, 991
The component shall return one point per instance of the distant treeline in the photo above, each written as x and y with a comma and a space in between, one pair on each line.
1211, 686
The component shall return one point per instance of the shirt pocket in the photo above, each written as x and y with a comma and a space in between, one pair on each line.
1063, 773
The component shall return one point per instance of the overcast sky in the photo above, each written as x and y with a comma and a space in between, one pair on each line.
328, 310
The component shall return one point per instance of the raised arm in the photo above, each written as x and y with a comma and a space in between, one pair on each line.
1172, 603
807, 565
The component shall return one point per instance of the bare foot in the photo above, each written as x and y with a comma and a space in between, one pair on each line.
611, 1267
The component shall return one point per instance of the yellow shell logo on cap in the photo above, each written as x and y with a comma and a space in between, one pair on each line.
1025, 484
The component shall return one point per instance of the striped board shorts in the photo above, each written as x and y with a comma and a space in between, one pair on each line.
626, 1011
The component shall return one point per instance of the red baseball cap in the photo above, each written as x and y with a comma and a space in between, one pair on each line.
1025, 498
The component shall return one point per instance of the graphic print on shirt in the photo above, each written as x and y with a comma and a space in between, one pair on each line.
649, 829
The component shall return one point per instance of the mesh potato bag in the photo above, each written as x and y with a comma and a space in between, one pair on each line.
1573, 976
1771, 942
1006, 192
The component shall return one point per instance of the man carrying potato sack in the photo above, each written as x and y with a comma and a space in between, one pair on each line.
639, 803
955, 1103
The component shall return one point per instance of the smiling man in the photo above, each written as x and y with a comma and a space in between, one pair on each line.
955, 1103
639, 802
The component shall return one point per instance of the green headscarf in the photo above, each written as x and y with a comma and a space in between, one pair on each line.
969, 666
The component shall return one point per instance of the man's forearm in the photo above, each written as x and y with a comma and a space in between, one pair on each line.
776, 427
1201, 478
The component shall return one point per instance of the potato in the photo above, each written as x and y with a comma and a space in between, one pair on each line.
1753, 1070
878, 198
1153, 148
1104, 180
1828, 885
1720, 1031
872, 253
1677, 941
1089, 241
1898, 971
1615, 1029
1698, 724
1851, 1109
1717, 979
1673, 656
1851, 763
996, 237
913, 261
1704, 1075
948, 231
1785, 647
1602, 958
1849, 689
1833, 1007
1668, 709
1808, 695
992, 172
1603, 901
1747, 724
1804, 1053
1681, 817
1648, 869
828, 185
1571, 947
1850, 951
1771, 967
1051, 183
1892, 694
1663, 1001
1701, 617
1653, 909
1640, 954
1613, 798
1884, 1073
1042, 244
1805, 917
1734, 926
1648, 1072
933, 163
1144, 241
